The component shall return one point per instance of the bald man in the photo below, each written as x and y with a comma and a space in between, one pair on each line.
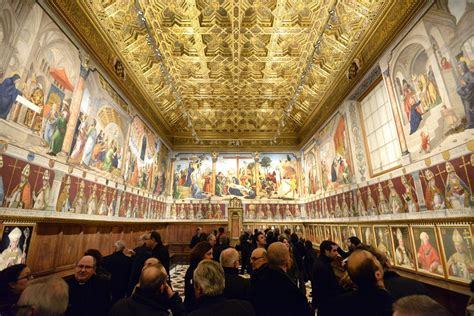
236, 287
371, 297
153, 296
274, 293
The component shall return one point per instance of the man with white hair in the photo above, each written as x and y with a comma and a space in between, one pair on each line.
119, 265
235, 285
428, 256
209, 288
44, 297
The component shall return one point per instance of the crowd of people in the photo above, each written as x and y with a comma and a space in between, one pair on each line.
265, 274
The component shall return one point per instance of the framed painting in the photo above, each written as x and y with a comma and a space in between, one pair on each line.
345, 233
403, 254
326, 233
457, 248
15, 244
367, 235
427, 254
383, 242
336, 235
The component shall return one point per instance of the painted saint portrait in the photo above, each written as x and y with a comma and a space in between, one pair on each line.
14, 246
383, 242
404, 256
458, 251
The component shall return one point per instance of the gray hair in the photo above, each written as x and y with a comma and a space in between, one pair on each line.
119, 245
420, 305
228, 257
209, 276
48, 296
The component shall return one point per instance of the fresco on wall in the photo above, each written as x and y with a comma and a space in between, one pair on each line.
235, 175
432, 71
53, 103
42, 66
100, 131
335, 163
24, 185
146, 159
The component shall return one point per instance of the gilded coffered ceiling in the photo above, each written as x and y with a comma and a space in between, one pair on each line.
237, 64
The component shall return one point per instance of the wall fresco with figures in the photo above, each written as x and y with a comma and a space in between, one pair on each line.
245, 175
55, 105
431, 71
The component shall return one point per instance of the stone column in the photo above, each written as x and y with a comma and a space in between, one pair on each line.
55, 190
396, 114
256, 159
75, 107
213, 177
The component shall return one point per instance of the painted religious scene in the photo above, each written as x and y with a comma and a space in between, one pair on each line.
248, 176
458, 252
432, 75
328, 163
146, 159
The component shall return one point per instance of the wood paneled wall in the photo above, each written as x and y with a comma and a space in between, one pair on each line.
56, 247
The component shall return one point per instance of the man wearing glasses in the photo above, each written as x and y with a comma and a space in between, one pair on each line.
258, 260
88, 295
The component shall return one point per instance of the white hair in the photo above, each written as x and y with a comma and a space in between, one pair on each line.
209, 277
49, 297
228, 257
119, 245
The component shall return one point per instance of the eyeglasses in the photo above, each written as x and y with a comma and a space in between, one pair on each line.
28, 277
81, 266
255, 258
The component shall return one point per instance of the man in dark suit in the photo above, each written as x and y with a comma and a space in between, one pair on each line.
275, 293
119, 265
235, 286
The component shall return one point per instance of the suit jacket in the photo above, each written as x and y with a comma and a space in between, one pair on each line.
324, 284
88, 299
275, 294
219, 305
367, 302
119, 266
236, 287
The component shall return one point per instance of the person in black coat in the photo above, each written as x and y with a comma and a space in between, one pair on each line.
370, 297
153, 296
141, 254
203, 250
119, 265
196, 238
88, 295
274, 293
209, 287
245, 248
158, 250
352, 243
309, 259
323, 280
224, 244
235, 286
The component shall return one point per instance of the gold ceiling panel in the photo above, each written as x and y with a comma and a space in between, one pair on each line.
237, 63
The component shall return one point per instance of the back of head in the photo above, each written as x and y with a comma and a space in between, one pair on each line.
278, 255
9, 275
119, 245
156, 237
153, 277
308, 244
198, 252
294, 238
47, 297
209, 277
419, 305
221, 230
361, 268
355, 241
96, 254
224, 240
228, 257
